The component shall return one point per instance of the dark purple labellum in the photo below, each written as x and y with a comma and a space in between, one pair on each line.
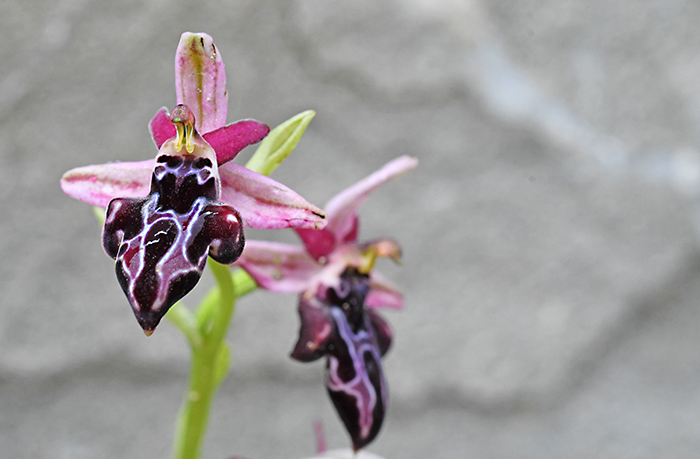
353, 341
160, 242
355, 380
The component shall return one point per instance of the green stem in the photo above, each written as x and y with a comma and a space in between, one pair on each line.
205, 376
185, 321
192, 422
244, 284
227, 300
205, 310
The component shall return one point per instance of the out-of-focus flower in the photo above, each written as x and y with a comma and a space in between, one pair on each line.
165, 215
336, 324
288, 268
333, 273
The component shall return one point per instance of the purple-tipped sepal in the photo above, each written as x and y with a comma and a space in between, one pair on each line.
336, 324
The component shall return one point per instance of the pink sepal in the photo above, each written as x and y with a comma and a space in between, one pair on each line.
265, 203
278, 267
200, 81
99, 184
342, 209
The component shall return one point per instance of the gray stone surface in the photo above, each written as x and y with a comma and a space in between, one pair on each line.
551, 267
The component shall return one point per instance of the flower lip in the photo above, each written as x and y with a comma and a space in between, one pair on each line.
336, 324
160, 242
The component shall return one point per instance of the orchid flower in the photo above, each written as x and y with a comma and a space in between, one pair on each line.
164, 216
339, 291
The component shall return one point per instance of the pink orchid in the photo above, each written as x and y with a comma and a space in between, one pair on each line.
333, 273
287, 268
165, 215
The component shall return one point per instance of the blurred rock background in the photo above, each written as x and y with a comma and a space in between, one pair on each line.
551, 268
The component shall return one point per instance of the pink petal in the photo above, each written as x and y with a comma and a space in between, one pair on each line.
351, 235
229, 140
319, 243
278, 267
342, 209
265, 203
200, 80
382, 293
99, 184
161, 127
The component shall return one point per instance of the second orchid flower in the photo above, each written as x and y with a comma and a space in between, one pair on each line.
339, 290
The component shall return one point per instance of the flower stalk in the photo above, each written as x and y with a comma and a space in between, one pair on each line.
210, 360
